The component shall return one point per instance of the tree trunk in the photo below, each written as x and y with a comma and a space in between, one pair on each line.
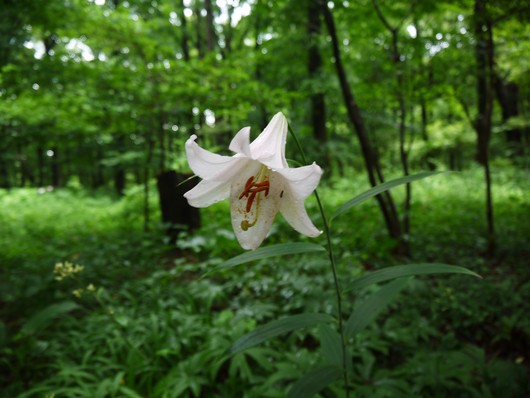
375, 175
119, 180
56, 168
184, 32
314, 67
147, 165
198, 30
424, 120
210, 29
176, 213
508, 95
161, 142
40, 166
484, 60
25, 169
229, 31
257, 72
425, 71
395, 56
4, 173
119, 170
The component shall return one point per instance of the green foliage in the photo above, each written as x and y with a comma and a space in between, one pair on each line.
91, 94
377, 190
372, 306
154, 326
278, 327
400, 271
315, 381
270, 251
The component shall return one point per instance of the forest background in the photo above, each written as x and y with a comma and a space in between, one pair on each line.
97, 98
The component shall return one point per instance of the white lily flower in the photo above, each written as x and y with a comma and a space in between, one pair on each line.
258, 182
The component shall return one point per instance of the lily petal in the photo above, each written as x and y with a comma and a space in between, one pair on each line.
302, 181
208, 165
295, 214
269, 146
299, 184
241, 142
206, 193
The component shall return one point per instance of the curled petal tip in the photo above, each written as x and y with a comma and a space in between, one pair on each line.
316, 167
191, 139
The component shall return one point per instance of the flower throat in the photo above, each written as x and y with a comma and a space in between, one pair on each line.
253, 187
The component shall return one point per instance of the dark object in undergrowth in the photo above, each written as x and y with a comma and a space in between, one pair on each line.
176, 213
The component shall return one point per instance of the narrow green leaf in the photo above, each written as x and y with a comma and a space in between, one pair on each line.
372, 306
277, 327
314, 382
330, 344
282, 249
128, 392
379, 189
405, 270
42, 318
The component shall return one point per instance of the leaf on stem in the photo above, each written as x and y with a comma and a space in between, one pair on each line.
400, 271
373, 305
277, 327
315, 381
44, 317
331, 345
379, 189
282, 249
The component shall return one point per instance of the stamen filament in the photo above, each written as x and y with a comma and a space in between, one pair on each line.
254, 186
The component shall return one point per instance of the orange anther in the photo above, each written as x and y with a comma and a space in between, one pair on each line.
252, 189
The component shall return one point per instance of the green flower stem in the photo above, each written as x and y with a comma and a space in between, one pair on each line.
333, 270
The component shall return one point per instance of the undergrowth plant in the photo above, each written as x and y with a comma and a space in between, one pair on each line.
259, 183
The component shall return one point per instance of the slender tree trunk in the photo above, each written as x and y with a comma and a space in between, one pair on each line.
56, 168
484, 60
210, 28
314, 67
4, 173
147, 165
257, 72
161, 143
375, 174
119, 180
229, 31
40, 166
424, 88
119, 171
395, 56
25, 169
184, 32
198, 30
424, 119
508, 96
4, 163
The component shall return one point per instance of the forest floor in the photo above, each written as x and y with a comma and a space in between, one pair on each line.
139, 320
